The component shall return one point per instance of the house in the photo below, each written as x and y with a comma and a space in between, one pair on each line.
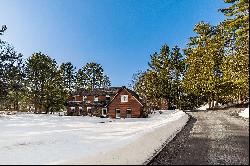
90, 102
125, 104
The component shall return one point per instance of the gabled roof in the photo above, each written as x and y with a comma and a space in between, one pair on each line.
97, 91
129, 91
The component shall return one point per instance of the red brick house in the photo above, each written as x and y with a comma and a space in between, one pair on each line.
85, 102
125, 104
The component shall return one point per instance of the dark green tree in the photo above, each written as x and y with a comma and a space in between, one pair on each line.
45, 83
92, 76
4, 28
68, 75
177, 73
161, 64
11, 76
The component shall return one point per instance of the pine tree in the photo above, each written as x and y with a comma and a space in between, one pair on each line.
68, 75
45, 83
147, 84
92, 76
205, 55
160, 63
237, 61
11, 76
177, 72
4, 28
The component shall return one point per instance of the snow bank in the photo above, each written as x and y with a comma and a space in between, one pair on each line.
206, 106
245, 113
203, 107
50, 139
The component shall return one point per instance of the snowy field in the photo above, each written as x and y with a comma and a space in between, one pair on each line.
53, 139
245, 113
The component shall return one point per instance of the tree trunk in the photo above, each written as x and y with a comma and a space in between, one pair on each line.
209, 103
239, 99
213, 103
217, 101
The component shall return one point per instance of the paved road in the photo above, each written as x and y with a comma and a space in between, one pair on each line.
211, 137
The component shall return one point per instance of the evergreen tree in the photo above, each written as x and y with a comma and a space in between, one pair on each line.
205, 54
4, 28
11, 76
237, 60
147, 84
45, 83
92, 76
68, 75
161, 65
177, 72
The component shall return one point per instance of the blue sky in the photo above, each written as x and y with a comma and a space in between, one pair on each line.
118, 34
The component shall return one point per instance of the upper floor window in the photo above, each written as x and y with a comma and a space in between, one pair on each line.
107, 97
84, 98
124, 98
96, 98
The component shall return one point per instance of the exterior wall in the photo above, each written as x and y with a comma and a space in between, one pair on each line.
132, 104
78, 101
76, 110
75, 98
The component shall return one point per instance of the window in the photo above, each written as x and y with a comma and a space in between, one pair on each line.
117, 113
84, 98
80, 111
124, 98
129, 113
107, 97
96, 98
104, 111
89, 109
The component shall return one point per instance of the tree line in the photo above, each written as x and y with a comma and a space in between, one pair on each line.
214, 66
39, 82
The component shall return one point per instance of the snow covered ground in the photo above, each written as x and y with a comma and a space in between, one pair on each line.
51, 139
203, 107
206, 106
245, 113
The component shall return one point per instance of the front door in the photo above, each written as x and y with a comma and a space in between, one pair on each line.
117, 113
104, 111
129, 113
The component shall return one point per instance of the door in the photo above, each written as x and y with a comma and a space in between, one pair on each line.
104, 111
117, 113
128, 113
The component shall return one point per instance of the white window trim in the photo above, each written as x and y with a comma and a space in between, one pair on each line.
124, 97
95, 98
129, 109
103, 111
84, 98
116, 113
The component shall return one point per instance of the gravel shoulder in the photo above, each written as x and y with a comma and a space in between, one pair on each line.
210, 137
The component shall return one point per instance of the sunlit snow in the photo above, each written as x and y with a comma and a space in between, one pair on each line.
45, 139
